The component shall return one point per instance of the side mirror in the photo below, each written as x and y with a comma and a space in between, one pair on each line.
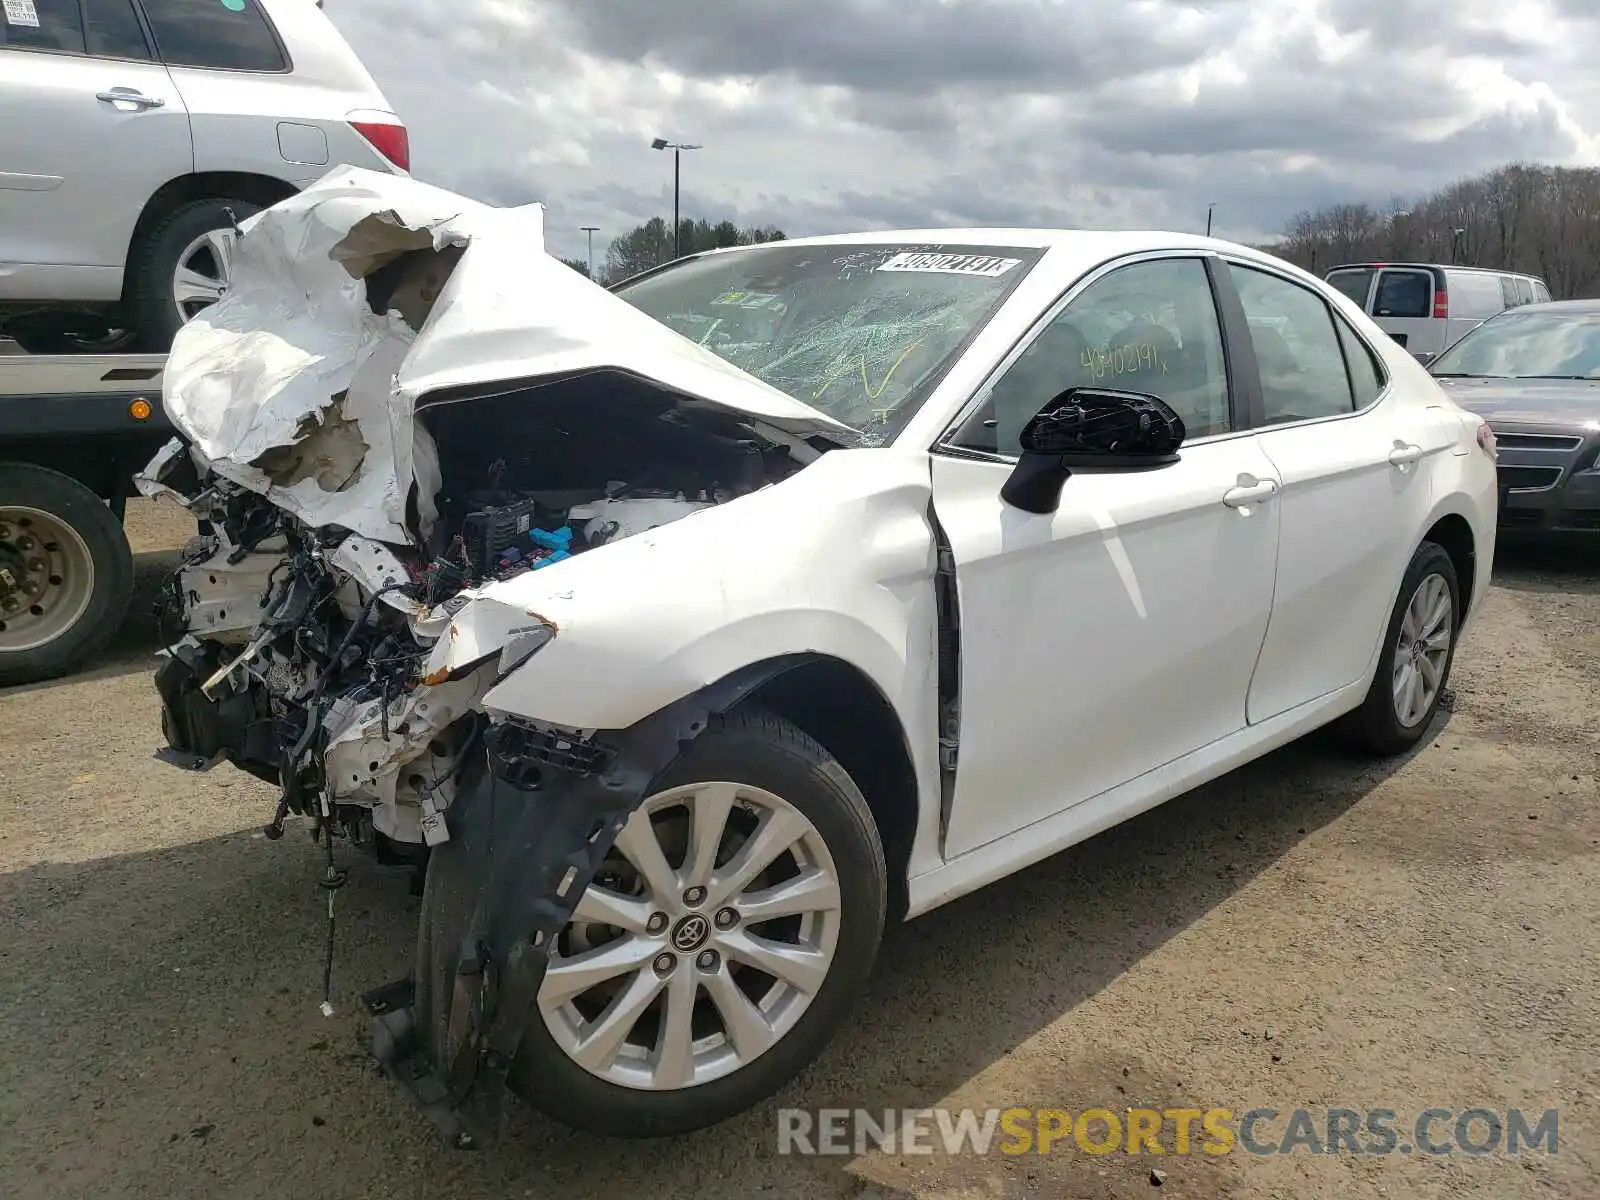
1090, 429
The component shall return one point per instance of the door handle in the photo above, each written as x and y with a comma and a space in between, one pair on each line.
1404, 455
1244, 496
133, 96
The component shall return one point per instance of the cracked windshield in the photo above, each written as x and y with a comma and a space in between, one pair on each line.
859, 333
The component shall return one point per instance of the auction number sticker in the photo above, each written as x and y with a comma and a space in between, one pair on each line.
22, 12
951, 264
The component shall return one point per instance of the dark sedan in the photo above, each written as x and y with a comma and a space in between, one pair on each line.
1534, 374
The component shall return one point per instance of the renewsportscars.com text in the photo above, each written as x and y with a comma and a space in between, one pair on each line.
1435, 1132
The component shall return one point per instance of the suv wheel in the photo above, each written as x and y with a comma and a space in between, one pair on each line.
181, 266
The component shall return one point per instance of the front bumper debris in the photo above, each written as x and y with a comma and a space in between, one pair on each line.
529, 828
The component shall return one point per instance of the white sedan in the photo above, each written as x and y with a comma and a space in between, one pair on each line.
683, 674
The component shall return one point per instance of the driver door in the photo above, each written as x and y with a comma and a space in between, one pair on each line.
1119, 633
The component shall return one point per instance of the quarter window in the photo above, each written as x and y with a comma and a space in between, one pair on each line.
1367, 377
42, 25
231, 35
1301, 362
1149, 327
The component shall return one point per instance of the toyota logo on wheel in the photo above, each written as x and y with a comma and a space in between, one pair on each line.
691, 931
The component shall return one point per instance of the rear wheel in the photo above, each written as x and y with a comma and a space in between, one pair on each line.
720, 948
66, 573
1419, 649
181, 266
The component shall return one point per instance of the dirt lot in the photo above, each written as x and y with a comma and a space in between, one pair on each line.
1310, 931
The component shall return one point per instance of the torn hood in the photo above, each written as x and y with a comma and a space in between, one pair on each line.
292, 385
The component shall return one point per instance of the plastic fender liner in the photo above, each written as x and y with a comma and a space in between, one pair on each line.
522, 851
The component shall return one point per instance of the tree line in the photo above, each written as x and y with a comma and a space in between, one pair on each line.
1523, 217
650, 245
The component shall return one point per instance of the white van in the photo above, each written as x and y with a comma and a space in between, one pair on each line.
1427, 307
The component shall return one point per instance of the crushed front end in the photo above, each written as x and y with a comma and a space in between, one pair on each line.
367, 494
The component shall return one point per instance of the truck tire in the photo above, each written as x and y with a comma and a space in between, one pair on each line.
66, 573
181, 238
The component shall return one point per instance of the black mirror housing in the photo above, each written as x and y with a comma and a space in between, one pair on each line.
1090, 429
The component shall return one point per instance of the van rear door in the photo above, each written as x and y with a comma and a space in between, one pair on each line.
1402, 305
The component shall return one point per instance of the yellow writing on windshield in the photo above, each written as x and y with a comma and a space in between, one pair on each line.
1132, 359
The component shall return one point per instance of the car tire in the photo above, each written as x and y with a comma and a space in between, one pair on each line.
1378, 726
153, 264
755, 750
64, 540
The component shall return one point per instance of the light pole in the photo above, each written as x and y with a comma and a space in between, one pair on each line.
677, 149
590, 230
1210, 208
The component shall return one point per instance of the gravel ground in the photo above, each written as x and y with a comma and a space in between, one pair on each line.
1311, 931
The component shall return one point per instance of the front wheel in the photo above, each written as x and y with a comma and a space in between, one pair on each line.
1418, 649
719, 948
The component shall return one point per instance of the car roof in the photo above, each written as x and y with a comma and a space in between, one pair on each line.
1069, 252
1571, 307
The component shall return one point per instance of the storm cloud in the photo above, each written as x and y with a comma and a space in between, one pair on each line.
835, 115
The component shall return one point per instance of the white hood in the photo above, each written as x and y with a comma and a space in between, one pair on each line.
259, 372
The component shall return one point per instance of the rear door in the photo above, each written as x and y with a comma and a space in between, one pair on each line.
1402, 304
90, 126
1354, 471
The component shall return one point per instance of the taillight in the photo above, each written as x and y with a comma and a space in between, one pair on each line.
1441, 304
1486, 441
388, 140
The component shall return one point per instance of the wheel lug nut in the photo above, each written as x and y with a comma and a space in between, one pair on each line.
25, 543
727, 919
656, 923
664, 963
707, 960
32, 588
694, 895
36, 564
10, 604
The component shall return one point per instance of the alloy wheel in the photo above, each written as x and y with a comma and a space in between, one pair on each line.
1422, 650
202, 274
700, 944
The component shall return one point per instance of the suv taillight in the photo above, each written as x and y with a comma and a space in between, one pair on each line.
1441, 304
388, 140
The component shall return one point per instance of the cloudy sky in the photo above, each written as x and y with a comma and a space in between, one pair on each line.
835, 115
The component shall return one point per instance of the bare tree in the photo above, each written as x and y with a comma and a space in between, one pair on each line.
1522, 217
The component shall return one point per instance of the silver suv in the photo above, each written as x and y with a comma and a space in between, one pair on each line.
137, 133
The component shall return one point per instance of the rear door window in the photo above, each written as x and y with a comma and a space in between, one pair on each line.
113, 30
1541, 294
1403, 294
225, 35
1355, 283
42, 25
1524, 290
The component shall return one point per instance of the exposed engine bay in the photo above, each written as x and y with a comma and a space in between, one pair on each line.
300, 652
